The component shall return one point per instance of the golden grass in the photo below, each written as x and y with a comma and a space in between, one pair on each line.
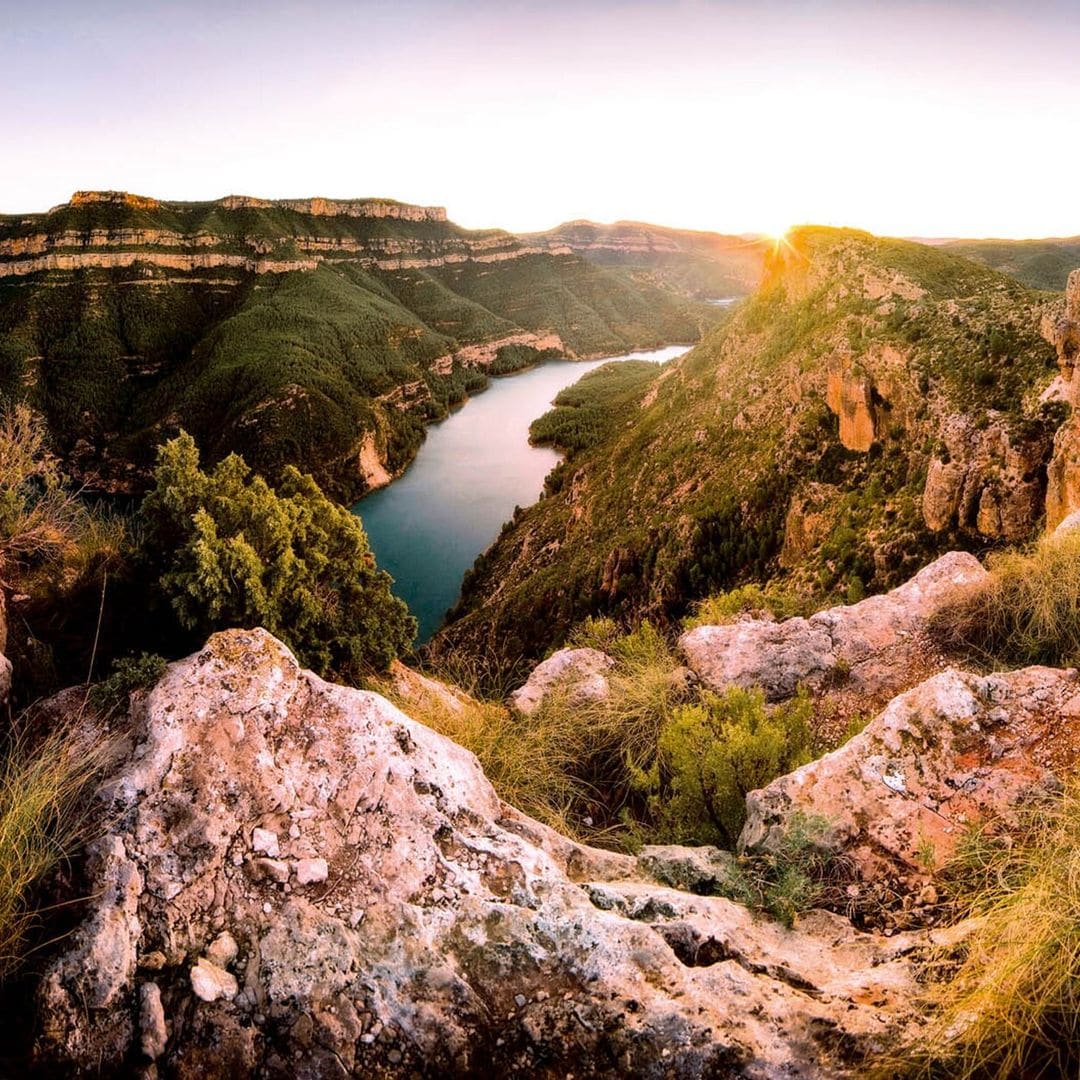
1013, 1007
43, 819
1026, 612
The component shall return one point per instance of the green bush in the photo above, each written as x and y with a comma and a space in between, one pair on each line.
130, 673
235, 552
712, 753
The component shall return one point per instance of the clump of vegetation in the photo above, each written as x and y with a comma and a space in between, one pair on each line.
796, 873
235, 552
1026, 612
712, 753
752, 599
130, 673
1010, 1008
43, 819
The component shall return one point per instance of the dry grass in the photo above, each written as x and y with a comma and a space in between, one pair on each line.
43, 819
1012, 1009
1026, 612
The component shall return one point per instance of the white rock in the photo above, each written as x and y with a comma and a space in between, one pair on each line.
579, 673
266, 842
311, 871
209, 982
223, 950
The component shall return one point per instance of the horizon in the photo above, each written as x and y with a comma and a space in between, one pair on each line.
893, 118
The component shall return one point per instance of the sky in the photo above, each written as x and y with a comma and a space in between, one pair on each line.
907, 118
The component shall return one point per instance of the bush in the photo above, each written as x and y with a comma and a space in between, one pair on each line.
130, 673
1026, 612
752, 599
235, 552
713, 752
1010, 1009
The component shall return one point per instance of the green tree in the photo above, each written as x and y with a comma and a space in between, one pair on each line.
235, 552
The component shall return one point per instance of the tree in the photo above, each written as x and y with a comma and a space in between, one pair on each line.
235, 552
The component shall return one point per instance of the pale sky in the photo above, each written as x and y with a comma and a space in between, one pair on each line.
928, 119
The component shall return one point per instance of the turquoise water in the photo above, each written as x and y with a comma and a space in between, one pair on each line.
427, 527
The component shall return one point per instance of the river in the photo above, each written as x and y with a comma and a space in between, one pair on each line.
428, 526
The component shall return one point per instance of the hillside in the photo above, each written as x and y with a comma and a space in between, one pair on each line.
874, 403
1042, 264
318, 332
702, 265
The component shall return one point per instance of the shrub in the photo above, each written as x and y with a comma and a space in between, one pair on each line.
130, 673
750, 599
1026, 612
713, 752
1010, 1009
235, 552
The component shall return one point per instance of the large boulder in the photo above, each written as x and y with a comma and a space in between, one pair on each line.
955, 750
873, 646
296, 880
580, 674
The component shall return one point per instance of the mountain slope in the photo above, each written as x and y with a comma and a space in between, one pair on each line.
323, 333
874, 403
702, 265
1042, 264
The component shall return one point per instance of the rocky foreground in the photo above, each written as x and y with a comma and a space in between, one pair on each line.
296, 879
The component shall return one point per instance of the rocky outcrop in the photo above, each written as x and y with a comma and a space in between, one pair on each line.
985, 482
297, 880
1062, 329
851, 397
957, 749
579, 674
363, 208
872, 646
809, 520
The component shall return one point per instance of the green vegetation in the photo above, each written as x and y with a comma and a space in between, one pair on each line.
232, 551
751, 599
129, 673
711, 754
597, 404
1027, 611
692, 499
43, 820
1041, 264
1009, 1008
291, 368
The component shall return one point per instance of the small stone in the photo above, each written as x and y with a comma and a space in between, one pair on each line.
270, 870
294, 831
520, 1000
154, 1033
223, 950
209, 982
311, 871
152, 961
394, 1057
267, 907
356, 918
265, 841
929, 895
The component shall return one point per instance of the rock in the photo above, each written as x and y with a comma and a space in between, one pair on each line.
465, 903
702, 870
851, 397
311, 871
223, 950
154, 1034
1068, 524
956, 749
270, 870
209, 982
870, 645
579, 673
265, 841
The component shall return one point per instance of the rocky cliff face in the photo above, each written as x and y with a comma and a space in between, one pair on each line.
43, 243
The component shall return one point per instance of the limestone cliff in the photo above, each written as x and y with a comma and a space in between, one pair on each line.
1062, 330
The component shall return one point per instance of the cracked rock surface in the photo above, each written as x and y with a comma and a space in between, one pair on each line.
297, 880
